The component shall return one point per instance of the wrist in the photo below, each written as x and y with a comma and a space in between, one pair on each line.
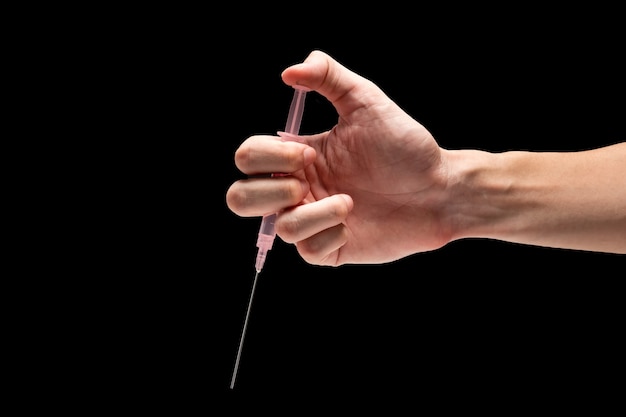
478, 199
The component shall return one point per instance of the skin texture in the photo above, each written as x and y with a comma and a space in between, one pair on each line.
378, 176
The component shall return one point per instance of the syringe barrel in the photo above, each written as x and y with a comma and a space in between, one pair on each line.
295, 111
267, 226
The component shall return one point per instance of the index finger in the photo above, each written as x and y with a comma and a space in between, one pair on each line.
269, 154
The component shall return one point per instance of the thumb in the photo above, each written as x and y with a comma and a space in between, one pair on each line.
342, 87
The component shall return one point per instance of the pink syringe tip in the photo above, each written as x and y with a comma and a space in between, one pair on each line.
264, 243
260, 260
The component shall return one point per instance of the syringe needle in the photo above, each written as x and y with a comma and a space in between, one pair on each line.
243, 332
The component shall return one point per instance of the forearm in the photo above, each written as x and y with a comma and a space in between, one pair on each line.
574, 200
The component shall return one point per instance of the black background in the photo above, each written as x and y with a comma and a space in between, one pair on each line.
478, 324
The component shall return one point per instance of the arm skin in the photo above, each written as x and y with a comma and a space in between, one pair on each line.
571, 200
377, 187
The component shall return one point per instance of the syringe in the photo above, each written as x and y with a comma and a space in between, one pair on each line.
267, 233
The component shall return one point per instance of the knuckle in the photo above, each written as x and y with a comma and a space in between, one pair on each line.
308, 252
340, 211
288, 228
236, 200
294, 156
294, 191
242, 157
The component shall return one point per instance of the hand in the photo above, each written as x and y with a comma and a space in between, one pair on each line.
354, 189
